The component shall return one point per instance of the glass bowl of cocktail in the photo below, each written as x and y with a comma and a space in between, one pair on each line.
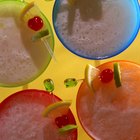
36, 115
108, 101
26, 42
96, 29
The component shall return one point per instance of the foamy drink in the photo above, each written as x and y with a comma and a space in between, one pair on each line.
96, 29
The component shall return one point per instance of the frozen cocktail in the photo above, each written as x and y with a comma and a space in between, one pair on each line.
96, 29
23, 53
107, 111
21, 117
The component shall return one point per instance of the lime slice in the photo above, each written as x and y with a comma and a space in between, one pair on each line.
117, 74
90, 74
67, 128
57, 108
26, 9
40, 34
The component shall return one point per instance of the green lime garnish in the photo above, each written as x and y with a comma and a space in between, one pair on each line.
67, 128
40, 34
117, 74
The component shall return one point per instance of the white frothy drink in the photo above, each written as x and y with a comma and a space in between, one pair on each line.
96, 29
21, 59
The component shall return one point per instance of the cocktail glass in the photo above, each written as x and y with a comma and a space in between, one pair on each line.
21, 117
111, 112
24, 54
96, 29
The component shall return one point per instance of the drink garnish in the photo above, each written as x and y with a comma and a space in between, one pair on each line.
56, 108
40, 34
35, 23
106, 75
62, 121
70, 82
67, 128
49, 85
117, 74
90, 74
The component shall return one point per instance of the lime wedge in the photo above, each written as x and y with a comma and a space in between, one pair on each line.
26, 9
90, 74
57, 108
67, 128
117, 74
40, 34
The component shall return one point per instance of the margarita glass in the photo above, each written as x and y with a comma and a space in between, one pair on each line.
96, 29
110, 112
21, 117
23, 53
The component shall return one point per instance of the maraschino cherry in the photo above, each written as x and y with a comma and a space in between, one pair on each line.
106, 75
35, 23
62, 121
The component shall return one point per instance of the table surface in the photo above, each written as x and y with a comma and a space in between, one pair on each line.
68, 65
